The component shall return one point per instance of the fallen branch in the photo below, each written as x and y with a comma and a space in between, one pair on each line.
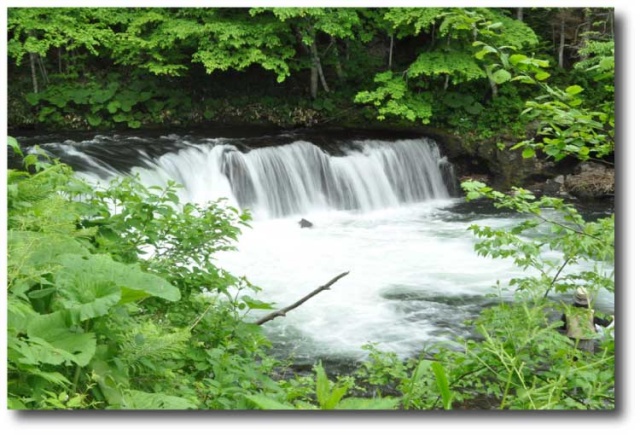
282, 312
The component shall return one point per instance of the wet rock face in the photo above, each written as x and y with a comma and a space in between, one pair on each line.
591, 181
503, 168
498, 166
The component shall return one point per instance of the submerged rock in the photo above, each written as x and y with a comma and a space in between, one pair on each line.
305, 223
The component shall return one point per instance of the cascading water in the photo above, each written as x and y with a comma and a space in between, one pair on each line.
381, 210
300, 178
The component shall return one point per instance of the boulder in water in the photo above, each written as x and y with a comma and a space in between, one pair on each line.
305, 223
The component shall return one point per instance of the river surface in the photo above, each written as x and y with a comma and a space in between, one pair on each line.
384, 209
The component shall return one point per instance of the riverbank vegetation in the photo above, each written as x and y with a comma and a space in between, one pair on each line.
114, 298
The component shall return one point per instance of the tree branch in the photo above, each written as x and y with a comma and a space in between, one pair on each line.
282, 312
577, 231
556, 277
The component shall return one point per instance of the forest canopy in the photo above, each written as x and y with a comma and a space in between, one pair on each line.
458, 68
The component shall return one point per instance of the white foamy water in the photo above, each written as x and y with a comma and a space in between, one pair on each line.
398, 259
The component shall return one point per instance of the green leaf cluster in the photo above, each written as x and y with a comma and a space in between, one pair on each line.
393, 97
95, 322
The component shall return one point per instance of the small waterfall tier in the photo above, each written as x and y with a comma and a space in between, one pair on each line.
300, 177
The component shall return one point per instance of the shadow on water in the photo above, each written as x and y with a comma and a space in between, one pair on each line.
468, 211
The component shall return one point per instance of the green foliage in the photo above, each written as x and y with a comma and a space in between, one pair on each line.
458, 65
38, 30
155, 401
121, 102
565, 125
416, 383
566, 128
100, 68
242, 42
553, 226
443, 384
94, 323
267, 403
328, 396
338, 22
598, 59
412, 21
522, 361
392, 97
451, 60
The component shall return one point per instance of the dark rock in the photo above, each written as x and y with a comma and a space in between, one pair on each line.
591, 181
555, 187
493, 158
305, 223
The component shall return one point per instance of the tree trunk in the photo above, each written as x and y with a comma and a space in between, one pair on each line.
390, 52
520, 15
34, 75
43, 70
316, 61
492, 83
610, 18
561, 44
433, 37
336, 53
586, 33
314, 81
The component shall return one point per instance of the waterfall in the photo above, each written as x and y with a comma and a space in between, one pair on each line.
299, 177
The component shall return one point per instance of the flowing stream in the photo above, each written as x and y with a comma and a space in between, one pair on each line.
384, 210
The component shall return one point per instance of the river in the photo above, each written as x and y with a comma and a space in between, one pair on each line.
386, 209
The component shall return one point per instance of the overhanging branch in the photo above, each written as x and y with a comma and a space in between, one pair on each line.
282, 312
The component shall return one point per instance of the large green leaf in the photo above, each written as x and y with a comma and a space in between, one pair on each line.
443, 384
135, 399
357, 403
418, 375
53, 340
28, 250
264, 402
19, 314
111, 380
574, 89
501, 76
323, 387
134, 284
87, 298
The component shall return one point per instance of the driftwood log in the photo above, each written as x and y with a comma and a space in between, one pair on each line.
282, 312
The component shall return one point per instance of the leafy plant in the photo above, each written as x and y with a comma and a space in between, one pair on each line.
328, 396
566, 128
96, 322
